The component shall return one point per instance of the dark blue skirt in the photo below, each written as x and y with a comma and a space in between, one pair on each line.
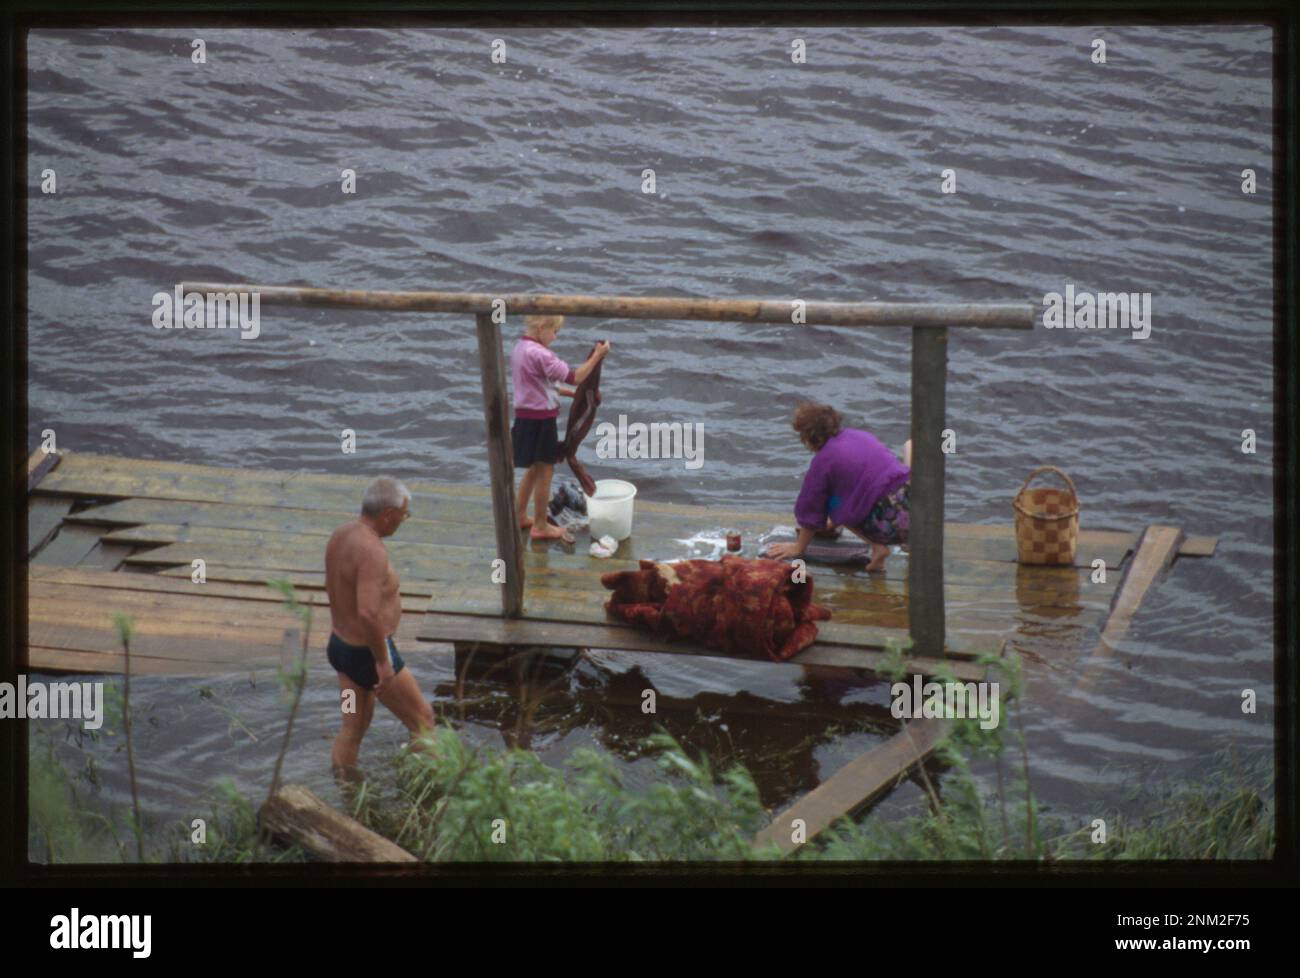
535, 440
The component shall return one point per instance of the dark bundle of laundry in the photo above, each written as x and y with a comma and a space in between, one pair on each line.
735, 605
568, 495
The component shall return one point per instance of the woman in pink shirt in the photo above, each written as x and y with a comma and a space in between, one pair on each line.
536, 374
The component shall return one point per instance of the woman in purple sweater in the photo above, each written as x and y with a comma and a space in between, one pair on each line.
854, 480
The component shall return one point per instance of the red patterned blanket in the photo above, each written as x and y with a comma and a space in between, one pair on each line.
734, 605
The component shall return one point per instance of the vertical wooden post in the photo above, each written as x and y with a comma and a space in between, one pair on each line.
925, 565
501, 464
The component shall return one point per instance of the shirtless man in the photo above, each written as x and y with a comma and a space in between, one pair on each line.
365, 608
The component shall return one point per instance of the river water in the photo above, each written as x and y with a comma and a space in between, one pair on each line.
773, 179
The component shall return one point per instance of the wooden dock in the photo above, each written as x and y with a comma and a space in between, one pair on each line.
114, 534
109, 534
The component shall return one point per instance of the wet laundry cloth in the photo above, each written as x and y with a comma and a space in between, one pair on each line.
568, 507
824, 548
735, 605
566, 495
582, 415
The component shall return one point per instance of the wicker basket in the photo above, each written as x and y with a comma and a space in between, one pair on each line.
1047, 521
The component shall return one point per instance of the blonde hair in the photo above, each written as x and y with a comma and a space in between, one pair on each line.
535, 324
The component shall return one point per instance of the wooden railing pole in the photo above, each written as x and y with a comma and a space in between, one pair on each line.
500, 463
925, 564
915, 315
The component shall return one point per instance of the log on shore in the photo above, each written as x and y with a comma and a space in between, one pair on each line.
297, 815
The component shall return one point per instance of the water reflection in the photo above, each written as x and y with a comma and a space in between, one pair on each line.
534, 697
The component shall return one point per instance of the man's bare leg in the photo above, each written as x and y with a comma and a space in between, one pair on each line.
526, 486
355, 723
907, 453
402, 696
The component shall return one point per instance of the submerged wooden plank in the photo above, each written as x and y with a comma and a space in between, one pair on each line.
855, 785
44, 514
1156, 551
852, 657
1198, 546
70, 546
297, 815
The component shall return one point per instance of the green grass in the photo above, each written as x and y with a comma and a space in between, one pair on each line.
451, 802
455, 803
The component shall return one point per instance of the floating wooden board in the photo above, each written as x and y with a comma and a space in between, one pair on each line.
1156, 551
1197, 546
855, 785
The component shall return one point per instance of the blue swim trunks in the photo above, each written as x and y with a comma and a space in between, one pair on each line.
357, 662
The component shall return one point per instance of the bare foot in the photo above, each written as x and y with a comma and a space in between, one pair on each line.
879, 554
525, 522
549, 532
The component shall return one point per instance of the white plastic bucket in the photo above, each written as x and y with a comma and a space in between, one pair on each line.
610, 510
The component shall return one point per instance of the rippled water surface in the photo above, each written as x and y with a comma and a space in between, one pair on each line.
774, 179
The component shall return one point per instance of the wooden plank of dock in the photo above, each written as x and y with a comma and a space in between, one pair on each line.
249, 526
182, 585
855, 785
71, 545
44, 514
452, 627
1156, 551
39, 464
178, 625
264, 495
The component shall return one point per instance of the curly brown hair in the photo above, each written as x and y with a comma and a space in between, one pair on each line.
816, 423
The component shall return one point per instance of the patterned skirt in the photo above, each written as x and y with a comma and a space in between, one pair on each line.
889, 520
